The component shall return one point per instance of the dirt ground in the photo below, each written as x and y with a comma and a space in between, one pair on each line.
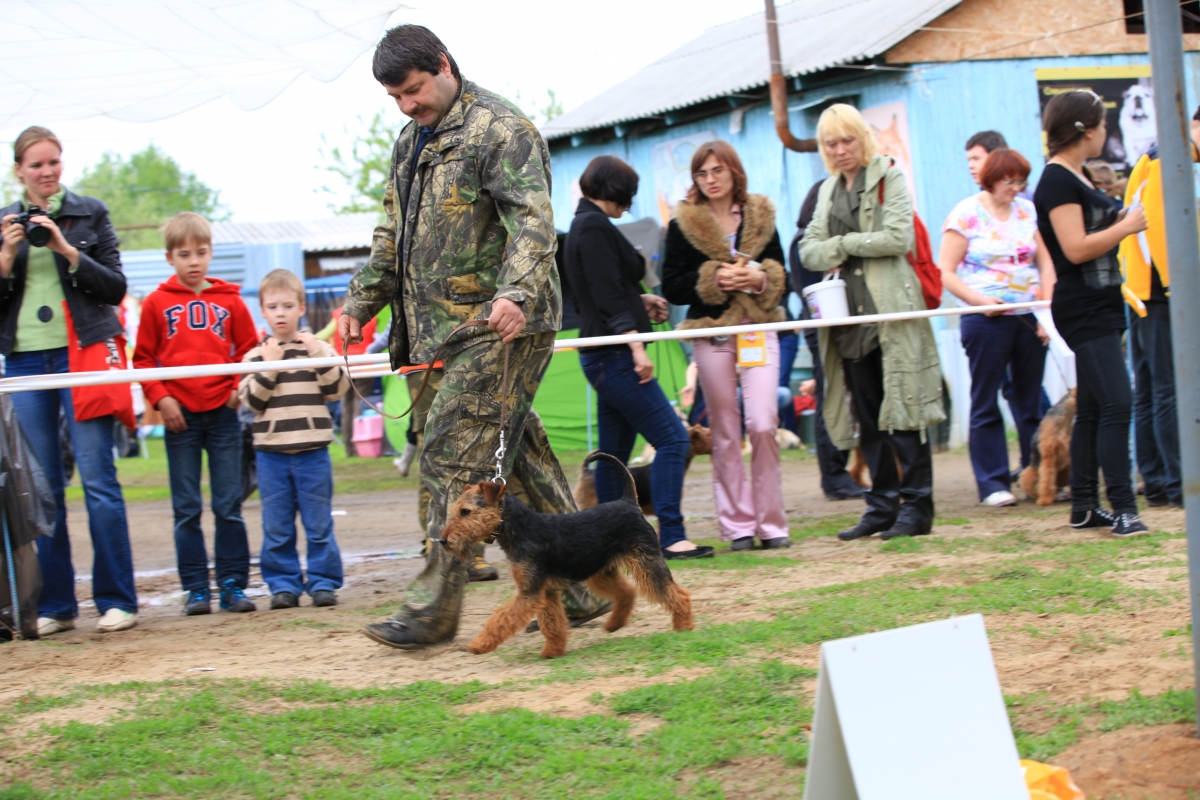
380, 539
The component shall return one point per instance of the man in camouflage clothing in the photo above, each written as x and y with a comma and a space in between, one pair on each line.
469, 235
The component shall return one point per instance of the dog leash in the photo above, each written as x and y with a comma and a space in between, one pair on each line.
433, 364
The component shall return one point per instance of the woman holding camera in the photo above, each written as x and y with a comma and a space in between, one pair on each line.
77, 266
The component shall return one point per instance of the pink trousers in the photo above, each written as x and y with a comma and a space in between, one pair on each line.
754, 507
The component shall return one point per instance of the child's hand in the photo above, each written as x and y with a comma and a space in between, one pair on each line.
311, 343
172, 415
232, 402
271, 351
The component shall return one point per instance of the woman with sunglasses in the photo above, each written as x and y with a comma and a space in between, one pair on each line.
1082, 232
993, 254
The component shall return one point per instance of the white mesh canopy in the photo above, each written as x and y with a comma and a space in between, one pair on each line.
144, 60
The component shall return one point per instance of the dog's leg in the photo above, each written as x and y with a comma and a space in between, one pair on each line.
552, 620
656, 584
610, 585
509, 618
1048, 472
858, 469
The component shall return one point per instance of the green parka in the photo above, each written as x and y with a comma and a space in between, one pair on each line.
912, 375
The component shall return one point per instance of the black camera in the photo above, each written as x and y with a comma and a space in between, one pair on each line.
38, 235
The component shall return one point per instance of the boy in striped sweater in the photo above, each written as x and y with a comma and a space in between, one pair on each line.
292, 432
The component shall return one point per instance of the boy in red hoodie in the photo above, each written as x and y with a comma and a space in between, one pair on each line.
190, 320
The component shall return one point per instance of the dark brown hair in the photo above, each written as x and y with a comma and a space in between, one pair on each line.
609, 178
1003, 164
1068, 116
729, 159
988, 140
31, 136
408, 47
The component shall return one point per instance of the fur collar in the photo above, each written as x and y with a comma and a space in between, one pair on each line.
700, 227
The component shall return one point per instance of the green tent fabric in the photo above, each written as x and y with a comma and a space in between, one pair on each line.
565, 401
567, 404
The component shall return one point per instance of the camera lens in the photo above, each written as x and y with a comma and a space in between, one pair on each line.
38, 235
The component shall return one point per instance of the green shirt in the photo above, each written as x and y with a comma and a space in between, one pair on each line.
40, 322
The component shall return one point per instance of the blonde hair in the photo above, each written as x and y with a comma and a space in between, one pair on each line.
31, 136
843, 121
281, 280
184, 226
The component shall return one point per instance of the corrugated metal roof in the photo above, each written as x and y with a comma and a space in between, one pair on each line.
344, 232
813, 35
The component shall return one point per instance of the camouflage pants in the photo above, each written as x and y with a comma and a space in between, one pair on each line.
461, 437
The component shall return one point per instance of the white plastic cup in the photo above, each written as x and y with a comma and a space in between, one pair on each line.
827, 299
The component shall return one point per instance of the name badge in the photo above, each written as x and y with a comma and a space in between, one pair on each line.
1019, 280
752, 349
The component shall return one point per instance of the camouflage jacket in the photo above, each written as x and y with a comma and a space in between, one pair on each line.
471, 222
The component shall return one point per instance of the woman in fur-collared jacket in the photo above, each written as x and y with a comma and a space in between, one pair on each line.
724, 261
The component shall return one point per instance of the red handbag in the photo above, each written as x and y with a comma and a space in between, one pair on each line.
114, 399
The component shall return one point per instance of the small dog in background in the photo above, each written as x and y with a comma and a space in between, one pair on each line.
585, 488
1050, 453
549, 551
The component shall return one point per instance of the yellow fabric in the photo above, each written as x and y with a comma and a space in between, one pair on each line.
1047, 782
1145, 186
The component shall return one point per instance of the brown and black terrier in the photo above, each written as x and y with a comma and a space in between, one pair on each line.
1050, 453
549, 551
585, 489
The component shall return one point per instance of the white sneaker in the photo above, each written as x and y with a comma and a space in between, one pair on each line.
116, 620
1000, 499
48, 626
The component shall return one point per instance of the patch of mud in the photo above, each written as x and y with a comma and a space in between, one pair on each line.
576, 699
757, 778
1158, 763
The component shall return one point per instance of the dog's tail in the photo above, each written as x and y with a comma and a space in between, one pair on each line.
630, 495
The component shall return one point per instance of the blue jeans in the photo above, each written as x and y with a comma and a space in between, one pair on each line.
1154, 421
218, 433
92, 440
627, 408
997, 346
287, 483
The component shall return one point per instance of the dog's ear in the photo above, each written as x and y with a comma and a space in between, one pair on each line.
492, 492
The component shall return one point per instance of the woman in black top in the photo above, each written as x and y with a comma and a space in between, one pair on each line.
1082, 232
605, 274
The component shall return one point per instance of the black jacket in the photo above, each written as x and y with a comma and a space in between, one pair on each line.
605, 273
97, 285
696, 248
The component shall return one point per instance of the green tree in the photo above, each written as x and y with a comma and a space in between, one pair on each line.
10, 187
365, 166
146, 190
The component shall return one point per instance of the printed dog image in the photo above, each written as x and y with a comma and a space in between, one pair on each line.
549, 551
1050, 460
585, 488
1136, 123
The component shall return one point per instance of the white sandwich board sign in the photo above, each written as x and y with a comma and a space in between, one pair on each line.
912, 714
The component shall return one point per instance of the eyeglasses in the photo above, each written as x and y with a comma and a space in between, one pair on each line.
1018, 185
703, 174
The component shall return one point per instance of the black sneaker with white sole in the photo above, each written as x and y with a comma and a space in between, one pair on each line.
1093, 518
1127, 525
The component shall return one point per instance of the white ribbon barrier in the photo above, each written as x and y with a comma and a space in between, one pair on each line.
363, 366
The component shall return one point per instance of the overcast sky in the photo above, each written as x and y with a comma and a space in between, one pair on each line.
268, 164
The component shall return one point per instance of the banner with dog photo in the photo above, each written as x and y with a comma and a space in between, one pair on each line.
1128, 98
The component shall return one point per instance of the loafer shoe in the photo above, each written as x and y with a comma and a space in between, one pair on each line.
324, 598
699, 551
776, 543
906, 528
199, 601
744, 543
48, 626
862, 530
116, 620
282, 600
233, 597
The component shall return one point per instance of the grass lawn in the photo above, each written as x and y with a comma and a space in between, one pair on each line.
743, 700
